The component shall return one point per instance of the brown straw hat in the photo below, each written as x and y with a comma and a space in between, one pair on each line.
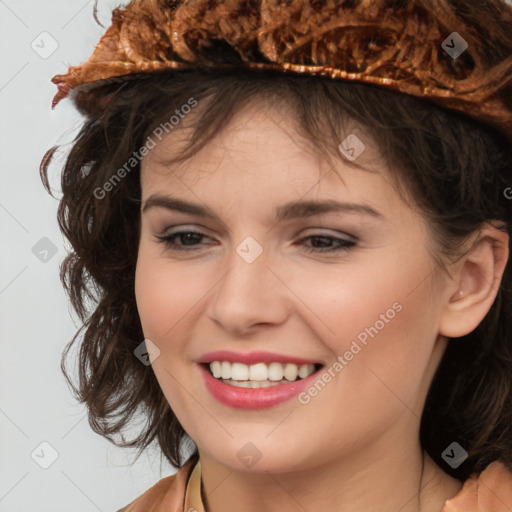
456, 53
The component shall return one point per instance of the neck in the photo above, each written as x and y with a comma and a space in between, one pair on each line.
408, 481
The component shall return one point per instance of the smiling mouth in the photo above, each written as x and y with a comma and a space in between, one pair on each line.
259, 375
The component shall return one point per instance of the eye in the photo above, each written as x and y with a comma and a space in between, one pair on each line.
189, 240
326, 242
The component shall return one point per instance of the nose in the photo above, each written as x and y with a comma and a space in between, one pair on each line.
249, 294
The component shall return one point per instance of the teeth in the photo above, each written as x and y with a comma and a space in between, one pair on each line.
305, 370
239, 371
275, 371
226, 370
290, 371
216, 369
253, 383
259, 372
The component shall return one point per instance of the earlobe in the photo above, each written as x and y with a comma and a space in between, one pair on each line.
475, 283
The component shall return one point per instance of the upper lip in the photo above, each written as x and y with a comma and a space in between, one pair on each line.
252, 357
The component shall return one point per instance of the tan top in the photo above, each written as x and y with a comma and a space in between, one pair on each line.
489, 491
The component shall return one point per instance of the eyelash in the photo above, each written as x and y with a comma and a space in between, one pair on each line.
345, 245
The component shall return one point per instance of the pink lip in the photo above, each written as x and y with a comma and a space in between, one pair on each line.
253, 398
251, 358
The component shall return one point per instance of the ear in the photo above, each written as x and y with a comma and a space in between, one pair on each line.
476, 281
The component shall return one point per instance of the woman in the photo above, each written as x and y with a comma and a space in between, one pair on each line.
294, 223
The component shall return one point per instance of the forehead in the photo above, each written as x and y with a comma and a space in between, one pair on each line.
261, 151
258, 125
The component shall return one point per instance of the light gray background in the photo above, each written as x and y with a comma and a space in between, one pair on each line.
36, 322
90, 474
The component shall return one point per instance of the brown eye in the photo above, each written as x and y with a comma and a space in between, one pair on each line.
187, 239
324, 243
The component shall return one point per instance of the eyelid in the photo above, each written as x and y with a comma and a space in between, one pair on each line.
200, 230
343, 244
177, 228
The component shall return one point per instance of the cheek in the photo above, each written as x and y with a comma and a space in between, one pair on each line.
348, 298
165, 293
379, 314
381, 376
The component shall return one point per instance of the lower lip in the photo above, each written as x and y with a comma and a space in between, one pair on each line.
253, 398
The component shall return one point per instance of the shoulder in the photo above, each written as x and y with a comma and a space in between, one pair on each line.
167, 495
488, 491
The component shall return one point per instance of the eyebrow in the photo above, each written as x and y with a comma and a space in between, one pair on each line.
292, 210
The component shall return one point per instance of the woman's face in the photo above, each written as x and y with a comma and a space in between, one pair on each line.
257, 276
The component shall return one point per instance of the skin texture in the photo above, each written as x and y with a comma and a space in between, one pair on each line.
355, 445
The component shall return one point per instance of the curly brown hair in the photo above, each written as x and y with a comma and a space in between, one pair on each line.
455, 168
